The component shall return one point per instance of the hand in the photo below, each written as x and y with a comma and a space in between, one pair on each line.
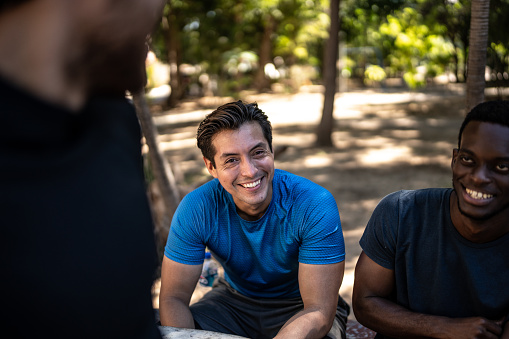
475, 328
505, 324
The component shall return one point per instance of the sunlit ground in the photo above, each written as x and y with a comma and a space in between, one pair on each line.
384, 141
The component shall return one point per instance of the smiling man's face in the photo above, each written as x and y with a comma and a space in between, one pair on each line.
481, 171
245, 168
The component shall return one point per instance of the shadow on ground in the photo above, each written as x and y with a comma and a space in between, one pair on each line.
383, 142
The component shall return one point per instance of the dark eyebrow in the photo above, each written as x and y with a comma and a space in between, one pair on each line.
465, 151
260, 144
226, 155
469, 152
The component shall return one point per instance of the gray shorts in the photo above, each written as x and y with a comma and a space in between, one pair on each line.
225, 310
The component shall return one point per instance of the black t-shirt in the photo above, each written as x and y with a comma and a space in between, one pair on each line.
77, 245
436, 270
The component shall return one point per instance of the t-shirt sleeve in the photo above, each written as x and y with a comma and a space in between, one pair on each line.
321, 234
185, 242
380, 236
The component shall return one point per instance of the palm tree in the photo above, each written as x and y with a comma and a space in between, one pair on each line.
324, 130
477, 52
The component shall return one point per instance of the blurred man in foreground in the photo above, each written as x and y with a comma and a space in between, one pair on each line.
77, 244
435, 261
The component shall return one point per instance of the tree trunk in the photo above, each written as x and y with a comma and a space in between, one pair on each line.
456, 64
173, 44
324, 130
477, 52
160, 166
261, 82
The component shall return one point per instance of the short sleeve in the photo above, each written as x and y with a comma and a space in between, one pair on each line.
185, 242
322, 237
380, 236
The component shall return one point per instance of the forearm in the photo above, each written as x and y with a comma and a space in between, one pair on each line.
505, 333
174, 312
390, 319
308, 323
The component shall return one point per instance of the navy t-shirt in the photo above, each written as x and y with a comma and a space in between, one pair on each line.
77, 245
437, 271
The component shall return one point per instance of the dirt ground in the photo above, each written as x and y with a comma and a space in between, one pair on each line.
384, 140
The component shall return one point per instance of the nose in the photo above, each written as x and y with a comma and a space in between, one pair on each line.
481, 175
248, 168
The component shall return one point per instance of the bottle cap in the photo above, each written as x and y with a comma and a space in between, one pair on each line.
207, 255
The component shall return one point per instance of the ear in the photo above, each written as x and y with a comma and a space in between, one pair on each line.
455, 152
210, 167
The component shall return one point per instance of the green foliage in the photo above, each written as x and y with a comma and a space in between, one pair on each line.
498, 60
413, 79
417, 39
498, 49
374, 73
411, 34
301, 31
236, 61
415, 44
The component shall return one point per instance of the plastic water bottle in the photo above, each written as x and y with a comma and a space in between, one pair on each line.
209, 271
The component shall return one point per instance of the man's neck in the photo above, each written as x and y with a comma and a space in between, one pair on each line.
478, 231
251, 215
33, 53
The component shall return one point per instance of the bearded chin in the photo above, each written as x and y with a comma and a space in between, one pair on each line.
111, 71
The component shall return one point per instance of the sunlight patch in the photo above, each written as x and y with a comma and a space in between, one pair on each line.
177, 144
317, 161
385, 155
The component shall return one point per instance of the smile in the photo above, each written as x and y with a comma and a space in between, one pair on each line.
478, 195
252, 184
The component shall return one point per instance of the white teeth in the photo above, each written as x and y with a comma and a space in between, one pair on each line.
478, 195
253, 184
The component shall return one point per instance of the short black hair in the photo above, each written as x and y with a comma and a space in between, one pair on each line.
495, 112
230, 116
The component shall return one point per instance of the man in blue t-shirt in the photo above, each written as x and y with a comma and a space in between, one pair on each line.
278, 237
435, 261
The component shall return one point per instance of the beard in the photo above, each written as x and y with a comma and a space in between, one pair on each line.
110, 68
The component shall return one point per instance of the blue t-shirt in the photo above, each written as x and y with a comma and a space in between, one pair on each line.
260, 258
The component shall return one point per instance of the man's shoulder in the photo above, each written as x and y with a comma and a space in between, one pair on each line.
400, 220
418, 196
206, 197
207, 190
421, 204
302, 193
294, 182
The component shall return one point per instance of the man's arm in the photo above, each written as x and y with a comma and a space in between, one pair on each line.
319, 287
373, 287
505, 325
178, 282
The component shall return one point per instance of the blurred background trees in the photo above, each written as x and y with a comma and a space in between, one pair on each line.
230, 48
223, 47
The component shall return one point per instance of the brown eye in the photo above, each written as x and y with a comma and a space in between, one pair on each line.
466, 160
503, 167
260, 152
